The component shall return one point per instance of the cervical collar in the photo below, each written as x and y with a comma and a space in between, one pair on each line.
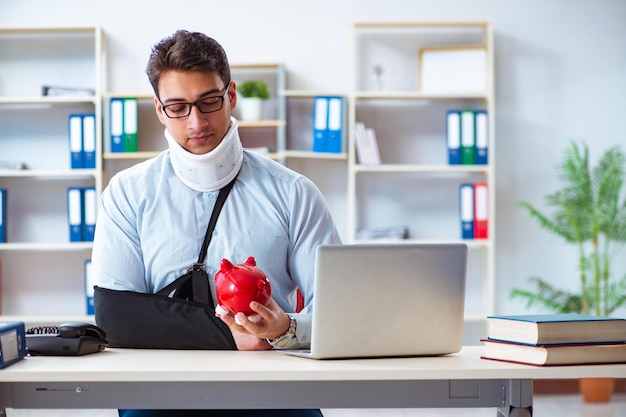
210, 171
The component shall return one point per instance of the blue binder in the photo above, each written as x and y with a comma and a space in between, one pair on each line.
89, 291
75, 214
12, 343
75, 128
453, 136
89, 141
466, 210
89, 201
116, 126
320, 124
482, 137
3, 215
335, 125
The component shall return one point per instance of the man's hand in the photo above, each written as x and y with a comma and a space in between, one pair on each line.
249, 335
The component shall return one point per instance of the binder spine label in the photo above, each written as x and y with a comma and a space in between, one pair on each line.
320, 124
482, 137
89, 141
453, 137
76, 141
116, 118
74, 212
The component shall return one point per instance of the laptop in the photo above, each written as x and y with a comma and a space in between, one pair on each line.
387, 300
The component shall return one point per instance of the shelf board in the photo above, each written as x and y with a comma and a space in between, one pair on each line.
49, 173
116, 156
138, 96
271, 155
309, 94
313, 155
253, 66
261, 123
51, 320
48, 30
471, 243
46, 246
46, 100
421, 24
416, 95
442, 169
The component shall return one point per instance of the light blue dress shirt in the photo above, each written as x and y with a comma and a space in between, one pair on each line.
151, 226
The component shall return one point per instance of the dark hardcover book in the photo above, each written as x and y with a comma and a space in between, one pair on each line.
544, 329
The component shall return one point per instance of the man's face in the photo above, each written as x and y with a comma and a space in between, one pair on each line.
198, 132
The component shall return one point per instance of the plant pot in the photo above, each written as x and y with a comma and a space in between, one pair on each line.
597, 390
250, 109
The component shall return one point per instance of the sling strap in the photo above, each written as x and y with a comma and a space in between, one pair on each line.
194, 285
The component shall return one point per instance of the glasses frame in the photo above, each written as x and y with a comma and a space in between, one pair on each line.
195, 103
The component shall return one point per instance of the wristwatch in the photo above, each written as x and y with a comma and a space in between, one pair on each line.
285, 339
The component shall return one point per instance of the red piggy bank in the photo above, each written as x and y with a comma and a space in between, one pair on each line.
238, 285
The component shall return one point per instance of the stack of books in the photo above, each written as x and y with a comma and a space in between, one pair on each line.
555, 339
390, 233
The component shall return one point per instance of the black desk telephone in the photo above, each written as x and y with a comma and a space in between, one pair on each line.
68, 339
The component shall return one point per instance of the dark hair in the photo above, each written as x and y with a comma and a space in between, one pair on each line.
187, 51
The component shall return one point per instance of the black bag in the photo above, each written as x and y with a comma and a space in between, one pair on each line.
186, 320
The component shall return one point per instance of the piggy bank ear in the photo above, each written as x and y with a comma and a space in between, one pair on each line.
225, 265
250, 261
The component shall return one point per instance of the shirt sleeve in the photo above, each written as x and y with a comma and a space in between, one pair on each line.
116, 256
311, 226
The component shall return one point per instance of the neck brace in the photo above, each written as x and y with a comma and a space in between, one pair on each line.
210, 171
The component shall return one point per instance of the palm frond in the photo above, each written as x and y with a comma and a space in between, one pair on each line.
608, 181
616, 295
559, 225
589, 211
548, 297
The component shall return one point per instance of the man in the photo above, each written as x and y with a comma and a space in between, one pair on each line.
154, 215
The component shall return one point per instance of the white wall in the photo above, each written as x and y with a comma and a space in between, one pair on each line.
560, 75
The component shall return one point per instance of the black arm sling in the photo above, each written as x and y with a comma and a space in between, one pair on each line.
186, 320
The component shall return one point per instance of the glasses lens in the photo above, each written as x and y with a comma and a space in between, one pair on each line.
177, 110
210, 105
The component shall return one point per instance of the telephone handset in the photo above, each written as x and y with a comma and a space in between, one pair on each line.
77, 329
68, 339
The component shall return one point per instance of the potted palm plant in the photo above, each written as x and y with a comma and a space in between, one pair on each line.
252, 92
590, 213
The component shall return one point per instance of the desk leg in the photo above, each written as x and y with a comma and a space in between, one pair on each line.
517, 398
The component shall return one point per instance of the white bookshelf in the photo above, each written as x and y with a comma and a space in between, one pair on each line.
41, 270
414, 185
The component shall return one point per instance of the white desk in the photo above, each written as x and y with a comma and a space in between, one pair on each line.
126, 378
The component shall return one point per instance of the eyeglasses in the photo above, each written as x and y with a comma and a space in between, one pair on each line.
205, 105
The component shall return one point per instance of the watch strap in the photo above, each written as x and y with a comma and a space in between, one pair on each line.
287, 339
